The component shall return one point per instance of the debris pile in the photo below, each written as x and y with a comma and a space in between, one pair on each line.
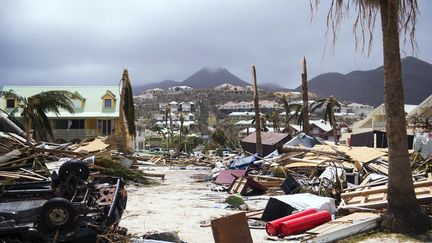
307, 189
62, 192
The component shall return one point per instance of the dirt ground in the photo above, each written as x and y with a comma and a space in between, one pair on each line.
179, 204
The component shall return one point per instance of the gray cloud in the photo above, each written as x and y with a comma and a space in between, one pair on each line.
90, 42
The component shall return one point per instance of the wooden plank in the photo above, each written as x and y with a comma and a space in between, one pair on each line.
19, 160
233, 228
381, 190
162, 176
19, 176
35, 174
430, 179
59, 151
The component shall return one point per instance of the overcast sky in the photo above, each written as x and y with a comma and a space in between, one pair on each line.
90, 42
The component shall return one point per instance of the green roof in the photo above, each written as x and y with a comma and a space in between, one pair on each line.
93, 105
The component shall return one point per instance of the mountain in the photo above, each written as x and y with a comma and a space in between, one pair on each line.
272, 87
367, 87
207, 78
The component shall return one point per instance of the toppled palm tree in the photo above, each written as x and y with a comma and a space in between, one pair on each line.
329, 104
397, 17
33, 109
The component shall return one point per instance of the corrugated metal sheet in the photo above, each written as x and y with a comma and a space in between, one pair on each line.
267, 138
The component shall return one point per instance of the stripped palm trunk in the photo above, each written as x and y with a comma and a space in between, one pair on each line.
404, 213
305, 99
335, 132
259, 149
127, 115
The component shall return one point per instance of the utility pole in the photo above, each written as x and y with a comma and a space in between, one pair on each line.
305, 95
257, 114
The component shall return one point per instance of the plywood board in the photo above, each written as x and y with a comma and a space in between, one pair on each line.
344, 227
93, 146
362, 154
233, 228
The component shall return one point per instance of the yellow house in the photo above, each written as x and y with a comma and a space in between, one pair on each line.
96, 114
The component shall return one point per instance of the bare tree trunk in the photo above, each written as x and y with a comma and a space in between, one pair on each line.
404, 213
259, 149
305, 95
335, 132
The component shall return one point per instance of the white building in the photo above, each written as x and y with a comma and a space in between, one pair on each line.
178, 89
360, 110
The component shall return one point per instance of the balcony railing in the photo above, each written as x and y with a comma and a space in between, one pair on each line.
69, 134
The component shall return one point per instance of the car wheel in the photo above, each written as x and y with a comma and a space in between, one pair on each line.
73, 171
57, 213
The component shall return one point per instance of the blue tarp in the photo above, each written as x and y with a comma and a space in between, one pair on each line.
242, 163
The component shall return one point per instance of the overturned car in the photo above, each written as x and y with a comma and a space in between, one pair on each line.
71, 206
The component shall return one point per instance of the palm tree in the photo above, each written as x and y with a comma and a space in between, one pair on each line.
128, 104
404, 213
181, 129
169, 117
259, 148
127, 128
294, 113
297, 115
34, 108
329, 104
167, 113
275, 121
219, 137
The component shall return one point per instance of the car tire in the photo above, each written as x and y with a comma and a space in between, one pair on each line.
57, 213
73, 171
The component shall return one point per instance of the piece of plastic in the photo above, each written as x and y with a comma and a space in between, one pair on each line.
273, 227
304, 223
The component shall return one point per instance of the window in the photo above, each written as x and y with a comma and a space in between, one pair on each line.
10, 103
77, 103
107, 103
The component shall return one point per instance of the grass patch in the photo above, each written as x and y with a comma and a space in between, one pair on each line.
378, 236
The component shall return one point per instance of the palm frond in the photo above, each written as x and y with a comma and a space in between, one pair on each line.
44, 121
318, 104
53, 101
129, 108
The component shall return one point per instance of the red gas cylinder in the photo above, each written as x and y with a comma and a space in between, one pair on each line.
304, 223
273, 227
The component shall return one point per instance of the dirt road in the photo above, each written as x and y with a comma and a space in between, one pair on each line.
180, 205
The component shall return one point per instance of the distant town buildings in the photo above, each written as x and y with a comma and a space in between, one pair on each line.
187, 109
355, 109
233, 89
178, 89
244, 106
